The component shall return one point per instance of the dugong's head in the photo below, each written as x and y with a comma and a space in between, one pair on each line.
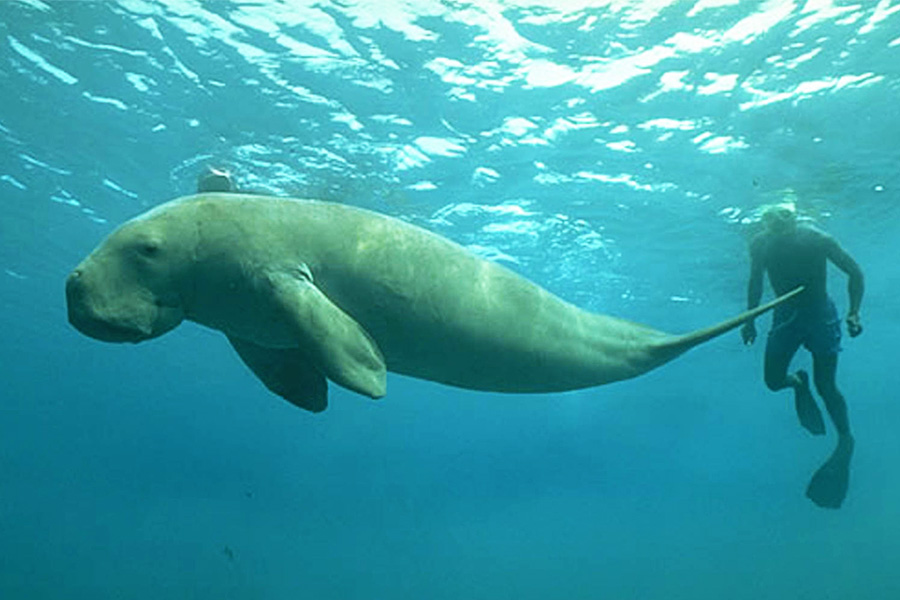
133, 286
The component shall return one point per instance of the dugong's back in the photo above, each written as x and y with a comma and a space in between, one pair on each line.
435, 310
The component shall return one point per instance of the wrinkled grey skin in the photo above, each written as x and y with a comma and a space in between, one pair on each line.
309, 290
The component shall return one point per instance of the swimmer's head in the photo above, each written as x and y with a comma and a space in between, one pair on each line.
780, 218
215, 180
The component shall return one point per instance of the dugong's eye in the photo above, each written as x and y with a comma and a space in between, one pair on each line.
149, 248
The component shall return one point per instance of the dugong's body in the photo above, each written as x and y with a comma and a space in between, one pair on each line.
309, 290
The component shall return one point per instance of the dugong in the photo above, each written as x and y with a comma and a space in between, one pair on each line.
307, 291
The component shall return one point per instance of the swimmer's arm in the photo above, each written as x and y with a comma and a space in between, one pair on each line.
754, 290
855, 286
845, 262
755, 283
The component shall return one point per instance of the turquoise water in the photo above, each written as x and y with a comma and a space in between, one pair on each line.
614, 152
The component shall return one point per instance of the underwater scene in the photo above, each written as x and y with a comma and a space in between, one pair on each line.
354, 299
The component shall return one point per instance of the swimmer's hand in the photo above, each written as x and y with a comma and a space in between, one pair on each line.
748, 333
854, 326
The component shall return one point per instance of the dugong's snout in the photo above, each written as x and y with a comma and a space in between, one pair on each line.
90, 315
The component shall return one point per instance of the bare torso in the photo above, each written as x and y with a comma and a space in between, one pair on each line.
795, 258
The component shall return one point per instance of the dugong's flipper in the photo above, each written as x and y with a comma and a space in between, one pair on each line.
337, 344
286, 372
329, 344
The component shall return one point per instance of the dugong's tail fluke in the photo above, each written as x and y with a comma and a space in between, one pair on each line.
672, 346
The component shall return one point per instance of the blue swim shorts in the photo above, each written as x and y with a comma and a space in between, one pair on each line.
818, 328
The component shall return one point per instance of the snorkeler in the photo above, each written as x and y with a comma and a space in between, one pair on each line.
796, 254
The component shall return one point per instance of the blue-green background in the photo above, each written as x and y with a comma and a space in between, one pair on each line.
614, 152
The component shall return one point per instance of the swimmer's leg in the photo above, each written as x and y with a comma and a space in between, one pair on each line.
828, 487
824, 370
778, 358
807, 410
